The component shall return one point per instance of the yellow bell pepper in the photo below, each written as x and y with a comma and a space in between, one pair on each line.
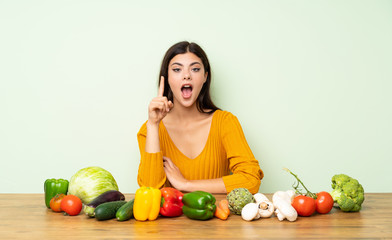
147, 204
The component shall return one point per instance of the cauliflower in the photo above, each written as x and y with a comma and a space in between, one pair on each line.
347, 193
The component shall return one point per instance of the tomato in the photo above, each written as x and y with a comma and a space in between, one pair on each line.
55, 202
71, 204
305, 206
324, 202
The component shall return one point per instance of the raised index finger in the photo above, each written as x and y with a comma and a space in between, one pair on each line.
161, 87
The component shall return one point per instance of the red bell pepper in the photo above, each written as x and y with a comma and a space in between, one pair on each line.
171, 202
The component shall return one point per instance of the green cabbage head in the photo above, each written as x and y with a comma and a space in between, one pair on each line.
88, 183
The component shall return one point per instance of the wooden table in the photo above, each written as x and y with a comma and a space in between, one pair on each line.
25, 216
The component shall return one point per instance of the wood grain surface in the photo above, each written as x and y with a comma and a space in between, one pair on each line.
25, 216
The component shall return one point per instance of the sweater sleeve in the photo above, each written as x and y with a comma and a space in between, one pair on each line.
151, 173
246, 172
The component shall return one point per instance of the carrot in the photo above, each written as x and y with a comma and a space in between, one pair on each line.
222, 210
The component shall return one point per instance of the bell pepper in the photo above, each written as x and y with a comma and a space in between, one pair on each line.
146, 204
52, 187
171, 203
199, 205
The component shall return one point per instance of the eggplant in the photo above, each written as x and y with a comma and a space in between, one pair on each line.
109, 196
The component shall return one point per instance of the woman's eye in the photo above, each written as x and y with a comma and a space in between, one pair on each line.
176, 69
196, 69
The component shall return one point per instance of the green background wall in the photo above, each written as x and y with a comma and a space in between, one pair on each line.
310, 82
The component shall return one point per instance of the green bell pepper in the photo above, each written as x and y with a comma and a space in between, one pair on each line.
199, 205
53, 187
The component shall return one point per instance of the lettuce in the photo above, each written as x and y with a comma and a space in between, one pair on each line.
88, 183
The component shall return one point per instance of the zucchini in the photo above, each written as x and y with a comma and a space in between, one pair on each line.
108, 196
106, 211
125, 212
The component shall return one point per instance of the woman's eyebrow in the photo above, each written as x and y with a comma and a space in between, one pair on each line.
194, 63
176, 63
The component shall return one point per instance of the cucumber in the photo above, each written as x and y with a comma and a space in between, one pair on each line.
109, 196
125, 212
106, 211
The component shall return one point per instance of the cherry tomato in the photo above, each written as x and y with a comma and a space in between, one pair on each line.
55, 202
324, 202
71, 204
305, 206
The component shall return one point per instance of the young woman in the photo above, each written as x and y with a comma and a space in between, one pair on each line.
187, 142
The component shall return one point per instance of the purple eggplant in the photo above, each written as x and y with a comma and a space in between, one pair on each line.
109, 196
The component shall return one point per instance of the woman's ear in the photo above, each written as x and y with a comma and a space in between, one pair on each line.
205, 77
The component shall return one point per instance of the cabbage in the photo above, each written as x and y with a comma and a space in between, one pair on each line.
88, 183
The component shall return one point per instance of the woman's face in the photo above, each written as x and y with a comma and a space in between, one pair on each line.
186, 78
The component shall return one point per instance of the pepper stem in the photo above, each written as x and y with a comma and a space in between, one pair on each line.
308, 193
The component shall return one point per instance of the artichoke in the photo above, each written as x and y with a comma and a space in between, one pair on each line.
238, 198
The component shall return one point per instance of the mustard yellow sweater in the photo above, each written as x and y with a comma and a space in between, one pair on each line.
226, 155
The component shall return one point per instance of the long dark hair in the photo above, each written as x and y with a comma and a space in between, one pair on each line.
204, 99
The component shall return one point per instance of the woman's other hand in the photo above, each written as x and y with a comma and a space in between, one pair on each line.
174, 175
178, 181
159, 106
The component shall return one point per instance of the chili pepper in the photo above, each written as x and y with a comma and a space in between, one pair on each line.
147, 203
199, 205
53, 187
171, 203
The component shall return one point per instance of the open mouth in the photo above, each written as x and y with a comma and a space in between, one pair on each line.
186, 91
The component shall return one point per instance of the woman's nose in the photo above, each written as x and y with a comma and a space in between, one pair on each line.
187, 76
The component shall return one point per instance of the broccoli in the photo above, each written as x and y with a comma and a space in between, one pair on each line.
347, 193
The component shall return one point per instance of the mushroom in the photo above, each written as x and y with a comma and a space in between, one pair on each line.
262, 208
282, 202
265, 206
250, 211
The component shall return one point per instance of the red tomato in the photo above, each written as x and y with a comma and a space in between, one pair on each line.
305, 206
55, 202
324, 202
71, 204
